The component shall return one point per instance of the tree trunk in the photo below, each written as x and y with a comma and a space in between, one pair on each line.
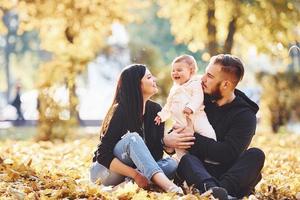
229, 40
8, 49
73, 99
211, 28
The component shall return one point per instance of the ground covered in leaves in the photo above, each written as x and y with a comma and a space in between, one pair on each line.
47, 170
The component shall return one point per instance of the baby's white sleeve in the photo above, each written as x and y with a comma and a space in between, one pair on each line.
165, 112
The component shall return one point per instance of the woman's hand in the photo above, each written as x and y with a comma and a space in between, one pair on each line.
140, 180
117, 166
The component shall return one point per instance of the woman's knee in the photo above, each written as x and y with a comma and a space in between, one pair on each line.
127, 140
132, 136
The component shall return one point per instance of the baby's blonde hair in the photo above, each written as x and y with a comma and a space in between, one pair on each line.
188, 59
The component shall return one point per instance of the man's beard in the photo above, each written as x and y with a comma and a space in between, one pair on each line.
216, 95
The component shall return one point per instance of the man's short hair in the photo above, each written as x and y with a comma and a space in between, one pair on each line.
231, 65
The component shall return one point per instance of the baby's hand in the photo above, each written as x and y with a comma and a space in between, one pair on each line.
157, 120
187, 111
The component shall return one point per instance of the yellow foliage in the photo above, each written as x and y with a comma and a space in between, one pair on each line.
269, 25
73, 32
56, 170
281, 173
283, 105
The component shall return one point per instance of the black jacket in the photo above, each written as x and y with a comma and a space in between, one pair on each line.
234, 124
117, 128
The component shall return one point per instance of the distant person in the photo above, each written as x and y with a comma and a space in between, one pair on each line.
17, 103
131, 144
186, 100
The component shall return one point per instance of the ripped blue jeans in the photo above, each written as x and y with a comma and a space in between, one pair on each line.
132, 151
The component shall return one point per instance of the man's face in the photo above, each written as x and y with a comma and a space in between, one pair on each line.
211, 81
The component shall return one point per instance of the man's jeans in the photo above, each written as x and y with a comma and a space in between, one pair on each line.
239, 180
132, 151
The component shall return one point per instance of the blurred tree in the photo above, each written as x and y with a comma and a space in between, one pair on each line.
9, 26
153, 31
73, 31
221, 25
280, 98
151, 56
20, 54
153, 44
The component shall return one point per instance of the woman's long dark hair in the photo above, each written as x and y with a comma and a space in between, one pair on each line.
128, 95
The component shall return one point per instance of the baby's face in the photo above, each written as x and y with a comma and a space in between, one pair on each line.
181, 72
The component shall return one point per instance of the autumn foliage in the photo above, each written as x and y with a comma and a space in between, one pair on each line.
56, 170
225, 26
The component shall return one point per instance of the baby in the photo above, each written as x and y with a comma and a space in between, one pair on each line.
186, 99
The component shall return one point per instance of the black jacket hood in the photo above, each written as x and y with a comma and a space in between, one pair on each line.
245, 100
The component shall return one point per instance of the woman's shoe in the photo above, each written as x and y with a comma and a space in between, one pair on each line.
175, 189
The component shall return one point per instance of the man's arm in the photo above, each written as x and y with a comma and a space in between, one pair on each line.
236, 140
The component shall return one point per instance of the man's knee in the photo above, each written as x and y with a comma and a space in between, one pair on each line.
257, 155
186, 160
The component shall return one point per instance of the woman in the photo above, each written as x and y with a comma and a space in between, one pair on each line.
131, 143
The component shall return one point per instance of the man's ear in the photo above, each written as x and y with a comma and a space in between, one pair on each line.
227, 84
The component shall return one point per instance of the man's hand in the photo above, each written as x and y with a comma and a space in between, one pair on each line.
187, 111
179, 138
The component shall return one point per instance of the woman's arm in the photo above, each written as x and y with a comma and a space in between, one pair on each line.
115, 131
117, 166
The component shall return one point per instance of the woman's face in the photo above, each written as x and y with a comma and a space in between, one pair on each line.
148, 84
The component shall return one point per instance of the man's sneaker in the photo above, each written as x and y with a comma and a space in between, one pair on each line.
219, 193
232, 198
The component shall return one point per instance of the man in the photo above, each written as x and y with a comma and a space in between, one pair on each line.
225, 165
